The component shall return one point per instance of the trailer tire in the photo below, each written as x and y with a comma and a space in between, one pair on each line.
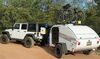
4, 39
87, 52
58, 51
28, 42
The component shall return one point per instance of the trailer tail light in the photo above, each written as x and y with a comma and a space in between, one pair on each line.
78, 43
98, 41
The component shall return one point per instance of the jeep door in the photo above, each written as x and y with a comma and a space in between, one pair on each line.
23, 30
15, 31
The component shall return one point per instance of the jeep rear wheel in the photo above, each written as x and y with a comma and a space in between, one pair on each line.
28, 42
58, 51
4, 39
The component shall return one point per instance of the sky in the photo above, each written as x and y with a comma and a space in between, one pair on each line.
77, 3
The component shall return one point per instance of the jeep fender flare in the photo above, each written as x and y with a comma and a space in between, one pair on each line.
7, 33
30, 35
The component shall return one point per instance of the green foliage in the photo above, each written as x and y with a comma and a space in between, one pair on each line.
30, 11
93, 19
27, 11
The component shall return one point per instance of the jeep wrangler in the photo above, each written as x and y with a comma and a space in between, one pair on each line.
27, 33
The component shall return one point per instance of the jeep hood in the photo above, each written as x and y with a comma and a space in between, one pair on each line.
8, 30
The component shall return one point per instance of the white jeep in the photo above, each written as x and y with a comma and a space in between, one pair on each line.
28, 33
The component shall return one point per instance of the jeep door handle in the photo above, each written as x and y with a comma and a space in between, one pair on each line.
24, 31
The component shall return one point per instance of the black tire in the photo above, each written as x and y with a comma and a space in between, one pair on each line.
28, 42
4, 39
87, 52
58, 51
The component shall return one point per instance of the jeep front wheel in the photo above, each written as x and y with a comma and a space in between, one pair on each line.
28, 42
4, 39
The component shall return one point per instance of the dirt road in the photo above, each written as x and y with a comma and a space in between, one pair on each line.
17, 51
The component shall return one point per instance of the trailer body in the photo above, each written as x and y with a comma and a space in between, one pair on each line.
74, 37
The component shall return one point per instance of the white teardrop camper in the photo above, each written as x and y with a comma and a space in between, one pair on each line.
72, 38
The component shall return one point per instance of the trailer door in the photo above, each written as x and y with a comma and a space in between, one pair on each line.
55, 35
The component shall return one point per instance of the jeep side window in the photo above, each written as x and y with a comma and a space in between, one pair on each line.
31, 27
24, 26
17, 26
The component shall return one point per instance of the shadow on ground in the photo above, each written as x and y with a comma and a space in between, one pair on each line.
48, 49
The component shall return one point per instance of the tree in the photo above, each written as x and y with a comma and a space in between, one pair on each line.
93, 17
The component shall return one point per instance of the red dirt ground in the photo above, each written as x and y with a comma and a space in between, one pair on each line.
17, 51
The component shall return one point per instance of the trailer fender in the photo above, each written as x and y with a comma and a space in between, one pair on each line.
64, 47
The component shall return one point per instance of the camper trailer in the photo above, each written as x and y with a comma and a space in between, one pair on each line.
73, 38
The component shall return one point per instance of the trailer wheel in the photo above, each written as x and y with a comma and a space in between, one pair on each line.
4, 39
87, 52
58, 51
28, 42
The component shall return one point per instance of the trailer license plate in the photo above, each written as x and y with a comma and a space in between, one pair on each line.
89, 43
